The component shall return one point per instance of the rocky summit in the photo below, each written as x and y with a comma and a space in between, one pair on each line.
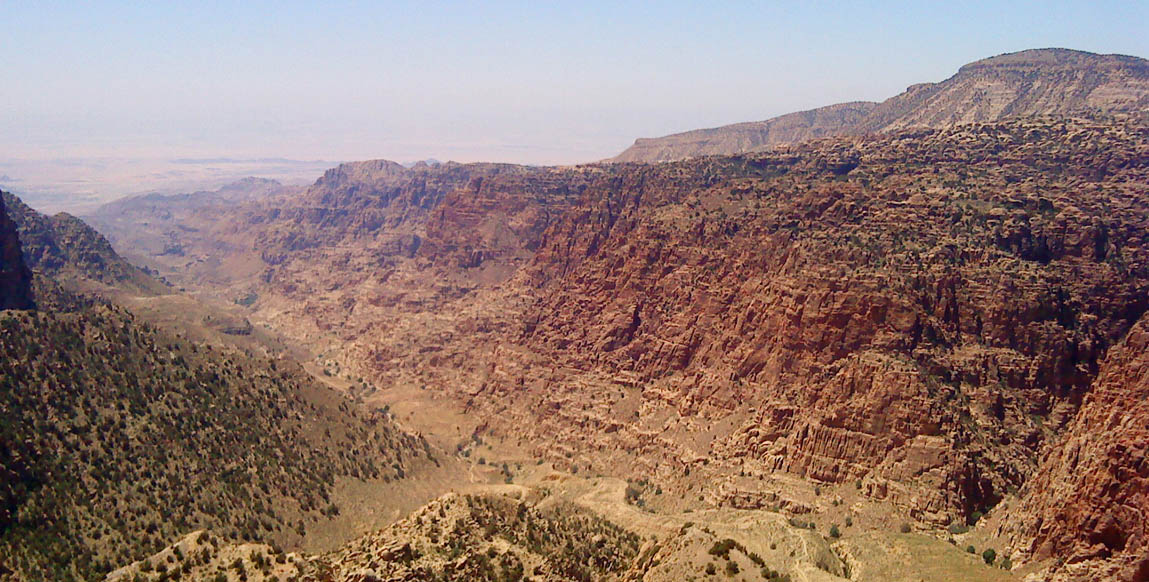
1032, 82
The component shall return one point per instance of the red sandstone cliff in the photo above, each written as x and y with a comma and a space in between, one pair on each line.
1088, 504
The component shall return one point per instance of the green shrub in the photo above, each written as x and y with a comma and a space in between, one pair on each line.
731, 568
722, 548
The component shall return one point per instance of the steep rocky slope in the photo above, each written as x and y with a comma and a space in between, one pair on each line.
1089, 502
904, 311
15, 277
1032, 82
116, 437
64, 248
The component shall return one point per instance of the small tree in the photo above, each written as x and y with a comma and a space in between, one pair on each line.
834, 533
989, 556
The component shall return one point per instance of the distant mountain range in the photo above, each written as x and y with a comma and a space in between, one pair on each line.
1033, 82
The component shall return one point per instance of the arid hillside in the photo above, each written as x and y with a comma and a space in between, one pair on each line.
1032, 82
116, 437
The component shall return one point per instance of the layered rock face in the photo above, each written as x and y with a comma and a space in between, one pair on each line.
382, 204
390, 262
907, 310
1032, 82
15, 278
1089, 502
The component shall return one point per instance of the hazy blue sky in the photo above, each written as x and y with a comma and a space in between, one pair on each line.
535, 82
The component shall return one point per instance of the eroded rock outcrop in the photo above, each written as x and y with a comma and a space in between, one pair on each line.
15, 277
1089, 502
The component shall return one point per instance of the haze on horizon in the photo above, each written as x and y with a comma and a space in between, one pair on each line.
116, 91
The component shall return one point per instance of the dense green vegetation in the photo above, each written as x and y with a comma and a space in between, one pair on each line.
116, 438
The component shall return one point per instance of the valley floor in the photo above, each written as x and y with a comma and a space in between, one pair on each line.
497, 467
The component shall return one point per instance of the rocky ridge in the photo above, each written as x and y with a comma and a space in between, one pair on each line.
455, 537
64, 248
1032, 82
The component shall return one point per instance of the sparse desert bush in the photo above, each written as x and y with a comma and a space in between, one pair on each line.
731, 568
